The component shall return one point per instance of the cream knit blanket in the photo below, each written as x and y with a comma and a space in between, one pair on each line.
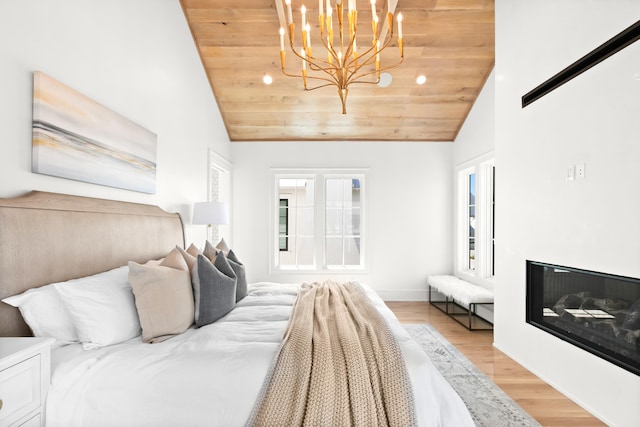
338, 365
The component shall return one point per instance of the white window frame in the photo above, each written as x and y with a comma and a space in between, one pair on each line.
488, 189
483, 168
320, 177
463, 219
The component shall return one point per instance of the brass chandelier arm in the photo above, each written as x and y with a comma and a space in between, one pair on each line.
313, 62
331, 79
331, 82
375, 72
353, 77
372, 59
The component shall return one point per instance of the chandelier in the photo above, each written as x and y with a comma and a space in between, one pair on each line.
342, 63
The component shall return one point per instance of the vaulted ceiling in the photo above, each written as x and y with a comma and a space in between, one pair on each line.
451, 42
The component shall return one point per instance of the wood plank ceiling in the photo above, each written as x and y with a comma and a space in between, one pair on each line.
451, 42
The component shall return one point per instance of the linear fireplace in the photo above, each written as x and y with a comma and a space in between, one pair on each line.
595, 311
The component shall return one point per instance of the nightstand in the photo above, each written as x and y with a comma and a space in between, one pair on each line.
25, 368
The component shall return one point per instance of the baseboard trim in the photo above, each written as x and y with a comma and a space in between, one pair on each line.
553, 384
403, 295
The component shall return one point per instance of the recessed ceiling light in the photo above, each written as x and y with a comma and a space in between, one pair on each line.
267, 79
421, 79
385, 80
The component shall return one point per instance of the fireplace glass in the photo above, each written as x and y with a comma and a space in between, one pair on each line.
595, 311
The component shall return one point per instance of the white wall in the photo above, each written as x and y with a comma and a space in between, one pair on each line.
477, 135
409, 215
136, 57
590, 223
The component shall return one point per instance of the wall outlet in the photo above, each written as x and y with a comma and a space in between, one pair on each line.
580, 171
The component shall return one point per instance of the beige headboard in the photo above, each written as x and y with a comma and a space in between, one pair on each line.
49, 237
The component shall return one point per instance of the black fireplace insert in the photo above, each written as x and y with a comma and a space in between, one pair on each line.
598, 312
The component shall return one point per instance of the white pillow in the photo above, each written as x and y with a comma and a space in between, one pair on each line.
45, 313
101, 307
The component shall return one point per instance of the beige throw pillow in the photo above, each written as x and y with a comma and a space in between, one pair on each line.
189, 259
223, 246
164, 300
175, 260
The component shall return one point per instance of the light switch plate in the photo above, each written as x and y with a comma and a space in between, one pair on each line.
571, 172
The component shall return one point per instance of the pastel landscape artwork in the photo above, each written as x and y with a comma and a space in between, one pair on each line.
77, 138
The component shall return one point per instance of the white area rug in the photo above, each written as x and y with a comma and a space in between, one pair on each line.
488, 404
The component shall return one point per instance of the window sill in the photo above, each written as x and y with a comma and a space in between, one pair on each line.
325, 271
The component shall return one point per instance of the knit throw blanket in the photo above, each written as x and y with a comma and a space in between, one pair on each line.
338, 365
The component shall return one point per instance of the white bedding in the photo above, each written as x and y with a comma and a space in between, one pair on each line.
212, 375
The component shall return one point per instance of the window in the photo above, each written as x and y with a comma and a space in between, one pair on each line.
492, 220
300, 223
319, 220
342, 216
471, 222
283, 224
475, 242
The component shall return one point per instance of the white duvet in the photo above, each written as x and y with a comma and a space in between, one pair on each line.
211, 376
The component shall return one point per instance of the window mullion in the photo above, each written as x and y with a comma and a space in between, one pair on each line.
320, 224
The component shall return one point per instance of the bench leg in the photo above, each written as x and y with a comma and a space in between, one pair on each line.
448, 307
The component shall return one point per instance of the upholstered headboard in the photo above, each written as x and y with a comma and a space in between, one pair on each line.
49, 237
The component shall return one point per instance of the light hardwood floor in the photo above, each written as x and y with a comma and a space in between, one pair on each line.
543, 402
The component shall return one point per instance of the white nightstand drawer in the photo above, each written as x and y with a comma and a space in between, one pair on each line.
19, 390
35, 421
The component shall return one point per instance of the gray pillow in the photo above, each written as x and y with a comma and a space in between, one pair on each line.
214, 286
210, 251
238, 268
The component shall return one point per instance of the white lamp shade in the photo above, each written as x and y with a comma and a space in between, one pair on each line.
210, 213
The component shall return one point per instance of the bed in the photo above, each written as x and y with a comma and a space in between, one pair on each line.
210, 375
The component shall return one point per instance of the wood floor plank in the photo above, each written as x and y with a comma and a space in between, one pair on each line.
548, 406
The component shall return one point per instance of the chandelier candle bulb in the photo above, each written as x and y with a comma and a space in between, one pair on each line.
303, 12
373, 8
340, 22
289, 15
320, 11
374, 25
400, 25
281, 39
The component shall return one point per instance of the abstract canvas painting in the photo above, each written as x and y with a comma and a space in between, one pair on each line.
75, 137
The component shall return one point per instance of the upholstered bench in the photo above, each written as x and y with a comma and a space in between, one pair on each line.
461, 301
